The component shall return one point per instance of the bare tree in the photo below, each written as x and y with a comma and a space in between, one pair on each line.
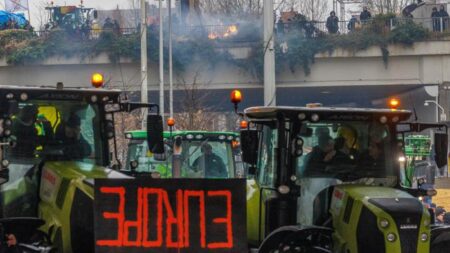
312, 9
231, 7
40, 15
195, 115
387, 6
134, 14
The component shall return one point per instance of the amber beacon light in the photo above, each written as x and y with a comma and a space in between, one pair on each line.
244, 124
394, 103
97, 80
236, 96
171, 122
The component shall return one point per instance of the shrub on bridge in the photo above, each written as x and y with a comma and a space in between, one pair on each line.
20, 47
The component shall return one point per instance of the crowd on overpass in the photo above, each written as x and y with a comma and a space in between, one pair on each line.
290, 20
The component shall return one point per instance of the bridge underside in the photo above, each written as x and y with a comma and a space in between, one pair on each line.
412, 96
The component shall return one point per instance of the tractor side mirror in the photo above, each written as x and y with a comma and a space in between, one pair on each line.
441, 148
249, 146
403, 128
155, 138
109, 129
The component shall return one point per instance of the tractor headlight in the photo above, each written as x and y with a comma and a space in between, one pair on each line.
424, 237
315, 117
302, 116
384, 223
284, 189
5, 163
7, 132
391, 237
24, 96
134, 164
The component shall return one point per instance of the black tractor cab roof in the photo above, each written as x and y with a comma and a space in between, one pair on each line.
324, 113
60, 93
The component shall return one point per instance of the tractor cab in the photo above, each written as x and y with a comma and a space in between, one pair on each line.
54, 143
331, 178
72, 18
190, 149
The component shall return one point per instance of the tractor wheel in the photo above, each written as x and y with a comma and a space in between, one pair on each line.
441, 244
313, 243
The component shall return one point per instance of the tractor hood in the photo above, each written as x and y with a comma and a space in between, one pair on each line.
58, 177
382, 219
74, 170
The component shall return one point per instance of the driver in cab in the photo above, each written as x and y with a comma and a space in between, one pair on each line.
210, 163
69, 133
374, 157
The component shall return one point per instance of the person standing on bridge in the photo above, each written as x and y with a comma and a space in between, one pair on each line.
365, 15
436, 20
444, 15
333, 23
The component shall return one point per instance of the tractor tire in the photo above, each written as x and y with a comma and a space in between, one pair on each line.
441, 244
310, 244
291, 243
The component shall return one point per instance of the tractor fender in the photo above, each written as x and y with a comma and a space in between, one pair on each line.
436, 231
273, 239
440, 239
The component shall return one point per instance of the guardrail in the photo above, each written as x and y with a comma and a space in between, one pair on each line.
251, 32
437, 25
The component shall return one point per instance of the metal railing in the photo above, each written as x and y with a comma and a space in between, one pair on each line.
437, 25
251, 33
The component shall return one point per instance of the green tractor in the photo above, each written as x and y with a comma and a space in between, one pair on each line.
190, 146
70, 18
417, 151
54, 143
330, 180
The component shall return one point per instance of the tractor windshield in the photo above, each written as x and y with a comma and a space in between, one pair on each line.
139, 154
56, 130
207, 159
201, 159
53, 130
346, 150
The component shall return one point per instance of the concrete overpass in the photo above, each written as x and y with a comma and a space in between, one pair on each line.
364, 74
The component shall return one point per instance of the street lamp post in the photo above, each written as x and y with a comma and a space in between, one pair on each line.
443, 116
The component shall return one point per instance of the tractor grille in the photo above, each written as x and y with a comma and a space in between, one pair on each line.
82, 223
369, 237
407, 214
